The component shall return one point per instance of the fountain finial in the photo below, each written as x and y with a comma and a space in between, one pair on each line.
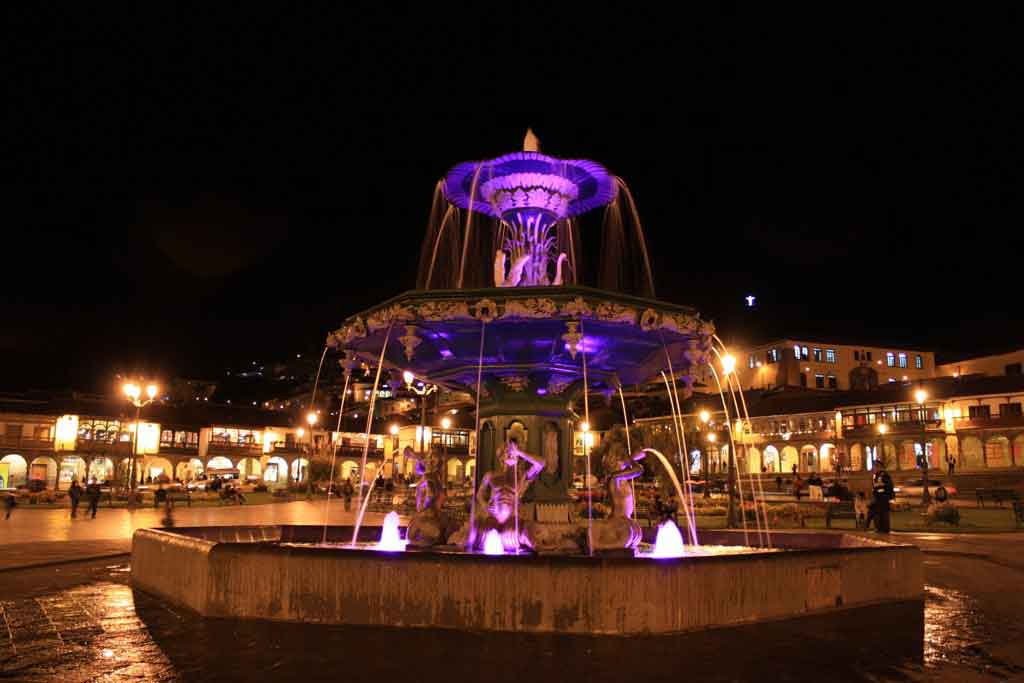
531, 143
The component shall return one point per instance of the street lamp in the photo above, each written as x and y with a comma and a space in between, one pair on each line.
311, 419
705, 417
134, 393
446, 424
422, 390
926, 497
728, 364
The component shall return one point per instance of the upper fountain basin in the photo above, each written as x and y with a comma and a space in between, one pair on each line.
529, 181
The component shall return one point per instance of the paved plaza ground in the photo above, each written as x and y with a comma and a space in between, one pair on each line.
81, 621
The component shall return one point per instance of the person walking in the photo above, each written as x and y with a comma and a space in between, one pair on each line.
92, 494
9, 504
346, 492
950, 464
75, 493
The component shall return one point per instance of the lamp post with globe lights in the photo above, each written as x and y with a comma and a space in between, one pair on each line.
311, 419
920, 396
134, 393
705, 417
422, 390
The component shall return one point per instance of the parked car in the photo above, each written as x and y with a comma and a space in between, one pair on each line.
914, 488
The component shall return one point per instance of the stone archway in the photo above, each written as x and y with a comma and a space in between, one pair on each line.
756, 463
220, 463
17, 469
997, 452
470, 468
825, 457
249, 467
101, 469
809, 458
1018, 450
856, 457
908, 455
300, 469
156, 469
455, 470
72, 468
43, 468
789, 457
771, 459
972, 453
276, 470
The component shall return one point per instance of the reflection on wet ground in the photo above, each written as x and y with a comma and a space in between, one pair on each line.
84, 623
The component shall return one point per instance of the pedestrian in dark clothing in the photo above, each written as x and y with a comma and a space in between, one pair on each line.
346, 491
92, 494
883, 492
778, 483
75, 493
950, 464
9, 503
794, 468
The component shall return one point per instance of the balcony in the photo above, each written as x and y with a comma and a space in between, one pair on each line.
25, 443
179, 449
897, 428
990, 422
234, 449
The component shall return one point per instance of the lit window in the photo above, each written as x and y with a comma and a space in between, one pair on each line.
803, 352
817, 355
751, 361
890, 359
830, 355
796, 350
773, 355
819, 381
903, 360
918, 362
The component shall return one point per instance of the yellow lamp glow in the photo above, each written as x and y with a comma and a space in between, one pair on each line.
311, 418
151, 391
728, 364
301, 432
408, 377
883, 428
920, 395
705, 416
446, 423
712, 437
585, 427
131, 390
393, 430
66, 433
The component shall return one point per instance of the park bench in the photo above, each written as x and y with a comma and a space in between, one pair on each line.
997, 496
841, 510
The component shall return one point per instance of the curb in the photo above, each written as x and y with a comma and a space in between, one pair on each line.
72, 560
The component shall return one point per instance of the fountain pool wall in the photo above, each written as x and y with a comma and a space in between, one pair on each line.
252, 573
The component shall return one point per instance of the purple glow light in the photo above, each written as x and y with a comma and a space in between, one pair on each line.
525, 185
493, 544
668, 542
586, 345
541, 391
445, 353
390, 541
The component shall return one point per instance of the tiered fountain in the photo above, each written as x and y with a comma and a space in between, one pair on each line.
531, 346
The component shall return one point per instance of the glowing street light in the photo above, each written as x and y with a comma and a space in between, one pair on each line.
446, 423
311, 418
712, 437
393, 430
705, 416
134, 393
728, 364
883, 428
920, 395
585, 427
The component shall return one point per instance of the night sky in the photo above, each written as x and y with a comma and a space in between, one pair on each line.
193, 192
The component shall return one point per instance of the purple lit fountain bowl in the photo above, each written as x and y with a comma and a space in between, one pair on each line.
525, 188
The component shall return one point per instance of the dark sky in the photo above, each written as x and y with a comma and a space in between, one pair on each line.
193, 191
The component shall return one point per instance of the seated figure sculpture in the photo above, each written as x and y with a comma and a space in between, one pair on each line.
427, 526
498, 497
619, 531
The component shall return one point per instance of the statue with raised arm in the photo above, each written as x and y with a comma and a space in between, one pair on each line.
619, 531
427, 526
498, 497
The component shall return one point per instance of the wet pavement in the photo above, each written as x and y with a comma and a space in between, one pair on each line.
83, 622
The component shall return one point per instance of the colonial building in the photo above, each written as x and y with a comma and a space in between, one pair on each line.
977, 422
1011, 363
830, 365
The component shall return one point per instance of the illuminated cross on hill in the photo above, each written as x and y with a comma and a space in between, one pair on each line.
750, 300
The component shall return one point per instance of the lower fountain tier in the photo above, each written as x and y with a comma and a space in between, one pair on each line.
243, 572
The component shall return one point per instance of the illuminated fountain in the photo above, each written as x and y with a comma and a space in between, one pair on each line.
502, 313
